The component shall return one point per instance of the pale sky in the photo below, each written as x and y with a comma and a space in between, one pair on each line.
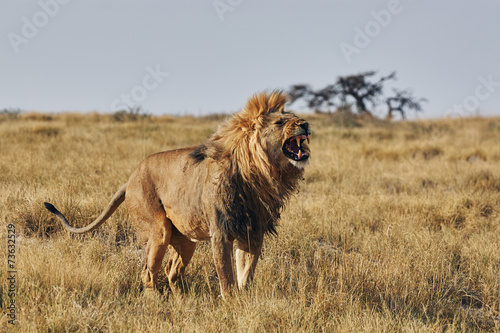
198, 57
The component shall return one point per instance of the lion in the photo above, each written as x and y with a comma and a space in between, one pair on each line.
229, 190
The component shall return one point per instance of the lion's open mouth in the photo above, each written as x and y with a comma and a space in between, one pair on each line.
293, 148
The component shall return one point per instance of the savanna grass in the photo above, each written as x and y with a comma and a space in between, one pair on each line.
396, 227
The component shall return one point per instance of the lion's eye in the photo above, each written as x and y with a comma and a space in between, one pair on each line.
280, 122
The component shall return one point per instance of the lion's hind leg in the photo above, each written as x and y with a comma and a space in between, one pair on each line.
156, 247
181, 251
153, 226
155, 232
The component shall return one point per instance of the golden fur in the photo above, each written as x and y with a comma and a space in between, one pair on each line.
229, 190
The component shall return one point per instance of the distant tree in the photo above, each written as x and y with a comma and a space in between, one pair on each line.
315, 100
299, 91
10, 113
401, 102
132, 113
357, 87
361, 89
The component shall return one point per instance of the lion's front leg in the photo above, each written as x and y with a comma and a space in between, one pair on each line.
247, 256
222, 249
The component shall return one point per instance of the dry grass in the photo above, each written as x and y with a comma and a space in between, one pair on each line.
396, 228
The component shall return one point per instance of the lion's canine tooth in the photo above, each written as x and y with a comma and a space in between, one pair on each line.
300, 154
298, 141
308, 140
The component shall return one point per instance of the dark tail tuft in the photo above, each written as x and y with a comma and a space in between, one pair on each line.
51, 208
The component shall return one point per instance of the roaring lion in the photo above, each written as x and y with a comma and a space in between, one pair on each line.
229, 189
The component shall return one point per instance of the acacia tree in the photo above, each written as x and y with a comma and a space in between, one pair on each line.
359, 90
402, 101
315, 100
299, 91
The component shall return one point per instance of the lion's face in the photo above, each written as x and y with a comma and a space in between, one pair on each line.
285, 137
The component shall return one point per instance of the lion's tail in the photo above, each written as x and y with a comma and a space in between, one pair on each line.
117, 199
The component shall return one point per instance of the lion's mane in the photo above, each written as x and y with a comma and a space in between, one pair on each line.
251, 189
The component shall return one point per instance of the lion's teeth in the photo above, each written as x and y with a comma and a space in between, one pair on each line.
298, 141
308, 140
300, 154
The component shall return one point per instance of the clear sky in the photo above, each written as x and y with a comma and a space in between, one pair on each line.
198, 57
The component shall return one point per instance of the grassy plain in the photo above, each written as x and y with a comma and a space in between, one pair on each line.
396, 227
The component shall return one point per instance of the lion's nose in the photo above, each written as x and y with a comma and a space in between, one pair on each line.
305, 127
